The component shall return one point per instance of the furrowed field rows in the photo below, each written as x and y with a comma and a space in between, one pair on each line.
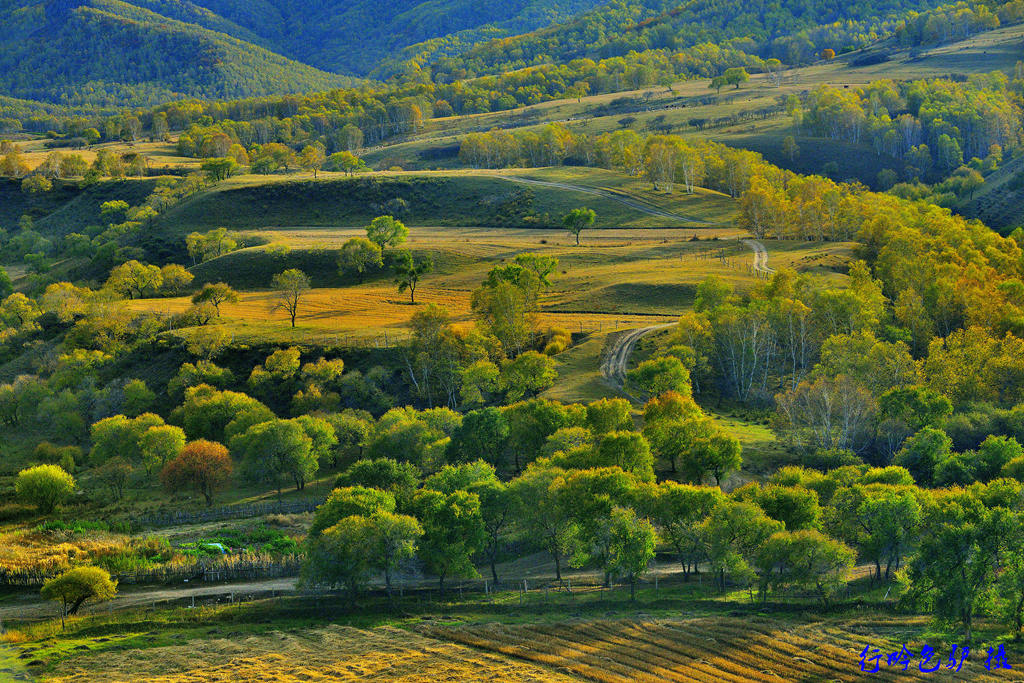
334, 653
712, 649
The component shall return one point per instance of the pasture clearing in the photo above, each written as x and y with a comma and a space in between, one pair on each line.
617, 279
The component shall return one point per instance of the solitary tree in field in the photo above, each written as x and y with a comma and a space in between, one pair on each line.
408, 273
76, 586
386, 231
291, 286
735, 76
358, 255
312, 158
203, 465
577, 220
216, 294
828, 54
219, 168
347, 162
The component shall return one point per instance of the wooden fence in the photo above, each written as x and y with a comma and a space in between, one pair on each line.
203, 570
174, 518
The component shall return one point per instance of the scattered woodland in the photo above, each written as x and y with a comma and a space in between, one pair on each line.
586, 342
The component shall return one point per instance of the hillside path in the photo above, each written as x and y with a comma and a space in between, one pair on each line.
760, 256
616, 359
620, 197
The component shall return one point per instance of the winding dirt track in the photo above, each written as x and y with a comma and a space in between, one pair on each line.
760, 257
613, 367
616, 360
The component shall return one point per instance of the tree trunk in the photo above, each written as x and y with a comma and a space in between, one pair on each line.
1017, 614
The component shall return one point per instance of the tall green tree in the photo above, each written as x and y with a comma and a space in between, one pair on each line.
578, 220
453, 530
386, 231
631, 542
409, 271
358, 255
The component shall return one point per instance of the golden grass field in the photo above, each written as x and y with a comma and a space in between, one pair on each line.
735, 650
615, 279
710, 649
333, 653
160, 154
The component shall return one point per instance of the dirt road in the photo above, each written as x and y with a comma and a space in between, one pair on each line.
614, 365
760, 257
616, 359
30, 606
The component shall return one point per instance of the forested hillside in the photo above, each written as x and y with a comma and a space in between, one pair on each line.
792, 31
149, 51
145, 52
132, 56
353, 37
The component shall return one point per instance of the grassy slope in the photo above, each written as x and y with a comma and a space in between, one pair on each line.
437, 145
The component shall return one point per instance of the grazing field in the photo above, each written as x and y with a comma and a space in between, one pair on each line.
615, 279
160, 155
451, 199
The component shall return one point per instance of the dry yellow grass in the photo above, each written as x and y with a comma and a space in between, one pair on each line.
50, 551
160, 154
618, 279
711, 649
334, 653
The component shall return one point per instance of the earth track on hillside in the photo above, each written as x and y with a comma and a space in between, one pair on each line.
616, 358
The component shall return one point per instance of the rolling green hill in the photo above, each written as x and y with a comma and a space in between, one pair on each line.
354, 37
792, 30
143, 52
105, 51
